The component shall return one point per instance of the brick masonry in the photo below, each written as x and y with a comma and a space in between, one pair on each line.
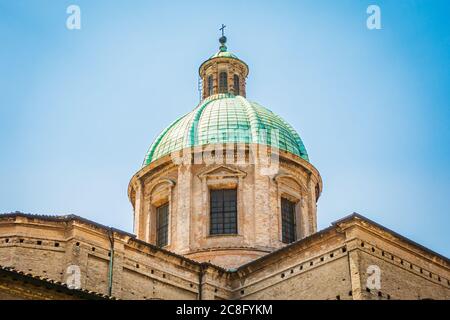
186, 188
329, 264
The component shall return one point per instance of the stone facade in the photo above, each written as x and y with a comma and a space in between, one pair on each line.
329, 264
228, 64
17, 285
232, 68
239, 147
333, 264
270, 249
186, 188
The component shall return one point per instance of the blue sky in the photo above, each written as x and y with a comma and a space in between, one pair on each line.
78, 109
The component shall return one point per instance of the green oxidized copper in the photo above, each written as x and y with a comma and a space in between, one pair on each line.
224, 54
225, 118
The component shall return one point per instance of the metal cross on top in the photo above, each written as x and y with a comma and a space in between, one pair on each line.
223, 29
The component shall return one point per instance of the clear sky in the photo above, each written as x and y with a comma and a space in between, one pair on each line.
79, 108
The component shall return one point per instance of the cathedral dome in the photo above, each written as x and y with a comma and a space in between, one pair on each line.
228, 182
226, 118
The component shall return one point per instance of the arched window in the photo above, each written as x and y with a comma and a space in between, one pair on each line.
236, 84
210, 85
162, 225
223, 211
223, 82
288, 221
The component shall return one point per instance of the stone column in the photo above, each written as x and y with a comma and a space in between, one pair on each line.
204, 212
355, 276
263, 210
148, 216
242, 83
171, 236
204, 85
240, 207
184, 189
305, 213
138, 210
118, 268
312, 206
207, 288
230, 73
215, 75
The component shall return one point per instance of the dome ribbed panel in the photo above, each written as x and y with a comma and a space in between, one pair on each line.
225, 118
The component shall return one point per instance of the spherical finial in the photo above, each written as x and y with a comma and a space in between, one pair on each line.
223, 39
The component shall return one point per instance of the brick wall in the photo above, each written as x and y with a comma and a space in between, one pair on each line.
330, 264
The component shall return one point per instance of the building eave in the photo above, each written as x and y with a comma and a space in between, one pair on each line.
131, 237
336, 227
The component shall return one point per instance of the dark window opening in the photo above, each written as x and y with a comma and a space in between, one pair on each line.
223, 82
223, 210
210, 85
288, 221
236, 85
162, 225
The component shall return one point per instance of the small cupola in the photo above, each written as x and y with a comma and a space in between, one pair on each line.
223, 72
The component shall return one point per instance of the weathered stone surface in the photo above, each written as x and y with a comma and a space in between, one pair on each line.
186, 188
330, 264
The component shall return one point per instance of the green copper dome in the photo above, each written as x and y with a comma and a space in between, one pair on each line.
226, 118
224, 54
